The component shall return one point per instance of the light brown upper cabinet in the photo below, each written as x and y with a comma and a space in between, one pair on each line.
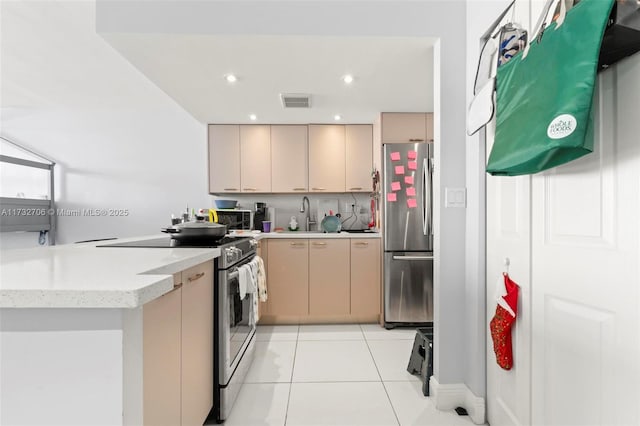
329, 276
429, 127
289, 159
255, 158
359, 157
224, 158
326, 158
404, 127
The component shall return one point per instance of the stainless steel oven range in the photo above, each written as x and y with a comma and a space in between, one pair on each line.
233, 333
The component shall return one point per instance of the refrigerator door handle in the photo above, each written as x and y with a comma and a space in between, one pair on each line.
412, 257
429, 194
425, 196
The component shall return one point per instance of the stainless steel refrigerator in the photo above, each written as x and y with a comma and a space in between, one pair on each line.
408, 233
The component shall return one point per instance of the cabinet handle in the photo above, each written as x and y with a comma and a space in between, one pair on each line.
175, 287
318, 189
356, 188
195, 277
315, 243
299, 189
229, 189
298, 244
362, 243
249, 189
416, 140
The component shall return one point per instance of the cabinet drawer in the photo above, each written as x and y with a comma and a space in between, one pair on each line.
197, 273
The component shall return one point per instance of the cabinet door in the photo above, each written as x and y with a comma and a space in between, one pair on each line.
429, 127
326, 158
197, 344
359, 157
329, 277
365, 276
255, 158
289, 159
288, 277
162, 359
403, 127
224, 158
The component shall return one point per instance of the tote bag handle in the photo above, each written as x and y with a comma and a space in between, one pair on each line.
544, 20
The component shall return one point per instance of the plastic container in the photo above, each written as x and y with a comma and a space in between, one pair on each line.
226, 204
266, 226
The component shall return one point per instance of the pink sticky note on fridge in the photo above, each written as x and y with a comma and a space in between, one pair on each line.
412, 165
408, 180
395, 186
412, 155
411, 192
412, 203
395, 156
391, 197
399, 170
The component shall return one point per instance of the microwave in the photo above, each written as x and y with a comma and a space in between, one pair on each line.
234, 219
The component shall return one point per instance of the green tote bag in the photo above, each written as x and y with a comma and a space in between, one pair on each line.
545, 93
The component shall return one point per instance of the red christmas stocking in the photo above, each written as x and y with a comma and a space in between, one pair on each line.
502, 322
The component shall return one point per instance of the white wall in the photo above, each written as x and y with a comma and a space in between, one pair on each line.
119, 142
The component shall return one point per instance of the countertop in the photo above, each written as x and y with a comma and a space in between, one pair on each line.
310, 234
86, 276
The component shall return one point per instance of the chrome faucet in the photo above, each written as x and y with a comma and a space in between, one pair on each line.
308, 221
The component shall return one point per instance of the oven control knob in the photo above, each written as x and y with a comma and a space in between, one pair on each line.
230, 254
253, 243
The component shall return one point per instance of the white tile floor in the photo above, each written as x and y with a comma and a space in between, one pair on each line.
349, 375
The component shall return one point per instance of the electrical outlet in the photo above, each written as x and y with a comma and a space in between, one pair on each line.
347, 207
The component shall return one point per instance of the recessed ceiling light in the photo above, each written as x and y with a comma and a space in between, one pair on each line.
231, 78
348, 79
337, 117
252, 117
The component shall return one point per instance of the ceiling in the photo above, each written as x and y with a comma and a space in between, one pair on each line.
391, 74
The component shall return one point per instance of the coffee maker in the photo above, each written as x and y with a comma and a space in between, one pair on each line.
259, 215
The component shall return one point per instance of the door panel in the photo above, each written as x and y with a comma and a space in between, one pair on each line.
329, 283
585, 254
404, 226
408, 287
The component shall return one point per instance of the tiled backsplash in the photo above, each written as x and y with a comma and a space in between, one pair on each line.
287, 205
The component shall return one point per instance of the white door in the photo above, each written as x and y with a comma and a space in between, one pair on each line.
585, 247
509, 236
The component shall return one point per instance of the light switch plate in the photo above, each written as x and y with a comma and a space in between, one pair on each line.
455, 197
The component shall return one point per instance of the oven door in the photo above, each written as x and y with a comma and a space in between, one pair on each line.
233, 317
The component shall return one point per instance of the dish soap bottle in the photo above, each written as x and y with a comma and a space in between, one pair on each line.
293, 224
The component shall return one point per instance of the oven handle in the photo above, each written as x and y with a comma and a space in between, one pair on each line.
233, 271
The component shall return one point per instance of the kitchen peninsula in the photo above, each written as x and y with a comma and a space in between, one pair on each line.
92, 335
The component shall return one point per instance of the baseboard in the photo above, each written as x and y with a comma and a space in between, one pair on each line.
447, 397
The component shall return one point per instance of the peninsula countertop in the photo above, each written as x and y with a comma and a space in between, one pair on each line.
86, 276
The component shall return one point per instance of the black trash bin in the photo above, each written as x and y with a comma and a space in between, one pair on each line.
421, 360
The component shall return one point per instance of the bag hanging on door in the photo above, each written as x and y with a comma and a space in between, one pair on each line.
544, 94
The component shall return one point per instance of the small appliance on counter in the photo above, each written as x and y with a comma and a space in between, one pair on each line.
234, 218
259, 215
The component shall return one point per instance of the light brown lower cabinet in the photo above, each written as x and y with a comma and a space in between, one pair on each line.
178, 351
288, 277
161, 364
329, 292
197, 344
322, 280
365, 276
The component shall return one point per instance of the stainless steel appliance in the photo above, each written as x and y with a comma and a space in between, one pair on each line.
234, 219
259, 215
233, 333
408, 233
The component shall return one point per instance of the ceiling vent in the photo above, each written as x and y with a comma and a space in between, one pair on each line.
295, 100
